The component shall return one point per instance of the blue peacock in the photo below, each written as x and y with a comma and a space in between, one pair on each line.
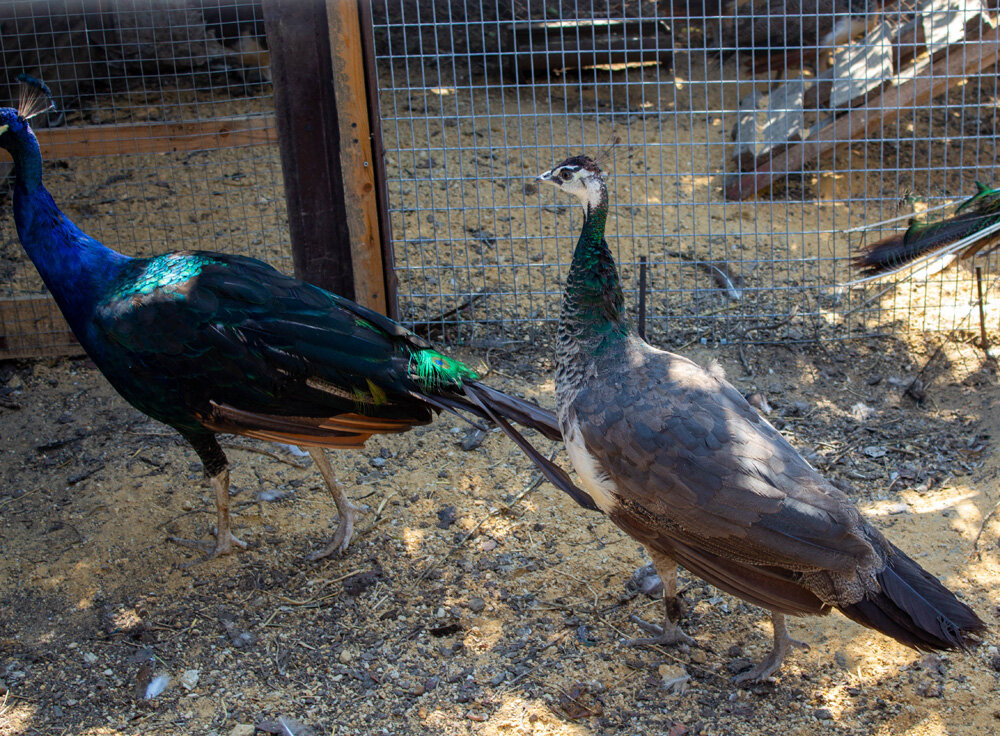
211, 343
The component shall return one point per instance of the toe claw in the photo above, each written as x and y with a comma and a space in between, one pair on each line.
338, 544
221, 546
662, 636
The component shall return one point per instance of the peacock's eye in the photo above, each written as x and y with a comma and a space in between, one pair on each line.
565, 175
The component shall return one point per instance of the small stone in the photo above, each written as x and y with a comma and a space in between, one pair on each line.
874, 451
243, 729
476, 605
995, 662
473, 439
824, 714
377, 461
698, 656
189, 680
89, 657
345, 656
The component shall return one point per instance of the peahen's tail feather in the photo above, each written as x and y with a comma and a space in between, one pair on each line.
914, 608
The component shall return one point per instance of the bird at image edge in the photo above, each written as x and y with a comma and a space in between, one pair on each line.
212, 343
679, 460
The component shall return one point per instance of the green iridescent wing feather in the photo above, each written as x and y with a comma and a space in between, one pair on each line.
260, 338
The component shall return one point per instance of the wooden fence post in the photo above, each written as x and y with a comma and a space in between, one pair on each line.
317, 67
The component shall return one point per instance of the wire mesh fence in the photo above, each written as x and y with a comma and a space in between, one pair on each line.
874, 110
756, 138
163, 139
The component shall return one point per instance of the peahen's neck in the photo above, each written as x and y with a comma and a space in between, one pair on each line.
593, 305
592, 321
75, 267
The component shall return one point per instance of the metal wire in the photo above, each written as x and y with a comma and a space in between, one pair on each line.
468, 124
475, 105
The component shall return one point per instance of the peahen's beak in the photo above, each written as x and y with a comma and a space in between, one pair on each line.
544, 176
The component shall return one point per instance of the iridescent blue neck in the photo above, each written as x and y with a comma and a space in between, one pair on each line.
75, 267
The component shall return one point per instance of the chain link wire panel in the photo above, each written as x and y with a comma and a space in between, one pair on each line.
164, 136
477, 99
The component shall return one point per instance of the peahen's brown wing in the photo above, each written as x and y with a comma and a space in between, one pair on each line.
690, 457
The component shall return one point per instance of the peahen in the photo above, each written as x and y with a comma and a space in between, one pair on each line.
678, 459
211, 343
974, 226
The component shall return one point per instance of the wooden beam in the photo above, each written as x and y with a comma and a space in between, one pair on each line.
298, 37
378, 160
160, 137
33, 327
961, 61
356, 160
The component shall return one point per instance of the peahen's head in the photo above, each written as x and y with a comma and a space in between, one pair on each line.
581, 177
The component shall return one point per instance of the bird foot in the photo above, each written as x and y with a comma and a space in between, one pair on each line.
772, 663
761, 671
341, 536
224, 544
666, 635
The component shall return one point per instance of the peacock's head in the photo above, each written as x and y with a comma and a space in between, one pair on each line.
35, 98
579, 176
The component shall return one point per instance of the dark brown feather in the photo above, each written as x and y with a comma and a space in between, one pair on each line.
343, 430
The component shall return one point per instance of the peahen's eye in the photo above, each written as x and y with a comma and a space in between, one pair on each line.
565, 175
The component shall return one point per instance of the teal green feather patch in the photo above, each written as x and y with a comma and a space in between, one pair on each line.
433, 370
163, 272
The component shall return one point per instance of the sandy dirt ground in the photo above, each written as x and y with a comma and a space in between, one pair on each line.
470, 601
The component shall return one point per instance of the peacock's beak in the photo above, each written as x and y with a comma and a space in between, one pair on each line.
4, 128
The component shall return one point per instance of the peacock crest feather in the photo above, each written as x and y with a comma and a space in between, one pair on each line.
433, 370
35, 97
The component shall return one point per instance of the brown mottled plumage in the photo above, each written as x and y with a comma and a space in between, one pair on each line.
679, 460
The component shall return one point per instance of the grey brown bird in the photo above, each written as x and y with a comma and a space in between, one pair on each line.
679, 460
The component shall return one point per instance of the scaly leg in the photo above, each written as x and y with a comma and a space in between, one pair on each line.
770, 665
224, 539
670, 632
348, 512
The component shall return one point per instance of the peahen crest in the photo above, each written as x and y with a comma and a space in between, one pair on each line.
433, 370
35, 97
